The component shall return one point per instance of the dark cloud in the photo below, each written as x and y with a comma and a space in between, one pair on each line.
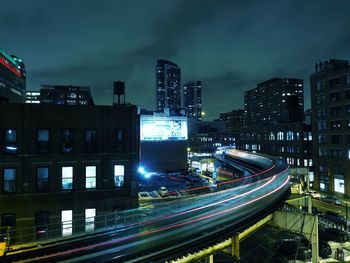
229, 45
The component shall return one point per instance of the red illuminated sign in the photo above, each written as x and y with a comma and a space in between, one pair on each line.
7, 64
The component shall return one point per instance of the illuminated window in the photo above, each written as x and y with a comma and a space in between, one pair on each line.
289, 136
339, 184
11, 141
43, 140
90, 177
90, 214
66, 222
42, 179
67, 178
9, 180
119, 175
335, 125
280, 136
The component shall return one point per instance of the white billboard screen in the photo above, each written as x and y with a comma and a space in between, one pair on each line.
163, 128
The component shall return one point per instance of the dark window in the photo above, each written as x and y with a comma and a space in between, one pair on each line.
334, 83
322, 139
120, 140
335, 111
347, 109
67, 140
90, 140
348, 139
321, 112
43, 140
322, 152
336, 139
334, 96
320, 85
8, 225
11, 141
320, 99
9, 180
322, 125
41, 225
337, 153
347, 79
347, 94
42, 179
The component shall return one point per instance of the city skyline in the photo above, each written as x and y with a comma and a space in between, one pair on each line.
229, 46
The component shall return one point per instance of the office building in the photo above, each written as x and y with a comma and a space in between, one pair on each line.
168, 86
33, 97
275, 100
12, 79
163, 142
65, 95
192, 99
330, 94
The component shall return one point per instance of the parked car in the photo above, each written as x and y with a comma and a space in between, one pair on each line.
314, 194
163, 191
324, 249
332, 234
331, 199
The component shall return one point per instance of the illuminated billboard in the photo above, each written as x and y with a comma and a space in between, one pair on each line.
163, 128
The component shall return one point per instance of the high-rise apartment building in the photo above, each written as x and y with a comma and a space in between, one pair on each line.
234, 120
12, 79
330, 94
275, 100
168, 86
192, 99
274, 123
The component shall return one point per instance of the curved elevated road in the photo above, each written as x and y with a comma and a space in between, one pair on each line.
198, 223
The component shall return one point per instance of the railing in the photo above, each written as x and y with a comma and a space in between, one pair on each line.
81, 225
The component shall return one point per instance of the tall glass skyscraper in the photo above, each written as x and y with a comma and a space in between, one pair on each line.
168, 86
12, 79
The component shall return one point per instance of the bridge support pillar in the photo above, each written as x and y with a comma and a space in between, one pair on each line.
233, 250
209, 259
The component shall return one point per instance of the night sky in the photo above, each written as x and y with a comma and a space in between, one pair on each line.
229, 45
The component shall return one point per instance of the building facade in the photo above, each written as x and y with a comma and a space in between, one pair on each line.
57, 162
275, 100
163, 142
192, 99
65, 95
234, 120
12, 79
330, 94
168, 86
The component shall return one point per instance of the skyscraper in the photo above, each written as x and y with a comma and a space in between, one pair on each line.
168, 86
330, 105
192, 99
275, 100
12, 79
